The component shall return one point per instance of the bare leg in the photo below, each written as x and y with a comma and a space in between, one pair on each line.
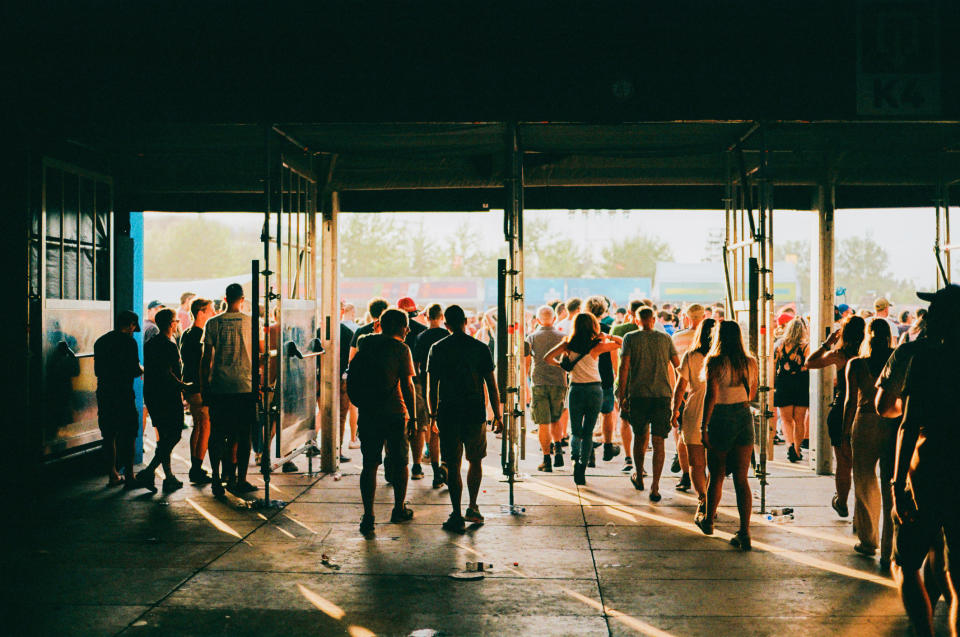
368, 488
626, 436
658, 457
787, 431
565, 422
640, 450
353, 423
799, 418
110, 457
789, 428
844, 470
416, 445
401, 475
717, 463
915, 600
683, 453
454, 481
474, 476
545, 432
698, 473
741, 456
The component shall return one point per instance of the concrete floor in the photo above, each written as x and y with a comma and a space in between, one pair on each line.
594, 560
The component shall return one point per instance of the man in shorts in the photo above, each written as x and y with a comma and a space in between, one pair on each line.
549, 387
646, 358
926, 510
227, 389
116, 363
387, 414
458, 368
626, 433
416, 328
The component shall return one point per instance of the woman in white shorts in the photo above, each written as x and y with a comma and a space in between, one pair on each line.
688, 397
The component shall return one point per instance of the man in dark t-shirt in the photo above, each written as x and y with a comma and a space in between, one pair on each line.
375, 308
459, 368
162, 393
421, 351
408, 305
116, 363
926, 510
387, 416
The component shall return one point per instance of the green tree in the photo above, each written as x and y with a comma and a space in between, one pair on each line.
463, 254
197, 247
371, 246
861, 268
547, 255
634, 256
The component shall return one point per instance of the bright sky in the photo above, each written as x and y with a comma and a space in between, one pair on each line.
907, 234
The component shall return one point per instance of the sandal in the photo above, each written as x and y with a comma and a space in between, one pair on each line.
841, 510
637, 481
401, 514
704, 525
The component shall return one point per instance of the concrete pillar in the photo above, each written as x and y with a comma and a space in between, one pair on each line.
329, 418
821, 317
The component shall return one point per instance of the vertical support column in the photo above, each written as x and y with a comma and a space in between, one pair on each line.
513, 233
330, 329
821, 312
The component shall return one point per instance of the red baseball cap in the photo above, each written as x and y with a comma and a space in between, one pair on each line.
784, 318
408, 305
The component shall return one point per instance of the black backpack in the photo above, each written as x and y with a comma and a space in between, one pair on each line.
364, 383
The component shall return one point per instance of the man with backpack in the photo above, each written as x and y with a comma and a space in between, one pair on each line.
380, 384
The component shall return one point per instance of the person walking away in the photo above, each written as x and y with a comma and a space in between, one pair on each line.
688, 395
731, 376
184, 315
348, 316
791, 384
416, 328
459, 368
881, 309
226, 386
607, 362
163, 388
647, 360
116, 364
191, 351
925, 508
842, 345
682, 341
581, 351
626, 432
421, 352
375, 308
872, 440
549, 388
380, 381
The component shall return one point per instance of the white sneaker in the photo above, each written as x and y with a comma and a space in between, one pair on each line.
354, 444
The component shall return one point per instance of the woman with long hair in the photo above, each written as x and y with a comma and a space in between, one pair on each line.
791, 384
731, 377
688, 376
842, 345
872, 440
581, 351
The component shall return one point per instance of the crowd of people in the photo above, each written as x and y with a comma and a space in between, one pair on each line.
423, 382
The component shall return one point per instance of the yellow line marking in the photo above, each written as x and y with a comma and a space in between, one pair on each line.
631, 622
285, 532
296, 521
321, 604
214, 520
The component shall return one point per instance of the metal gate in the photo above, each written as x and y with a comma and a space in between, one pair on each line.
71, 300
748, 275
290, 309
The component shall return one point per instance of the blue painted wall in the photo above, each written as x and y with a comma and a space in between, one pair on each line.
136, 235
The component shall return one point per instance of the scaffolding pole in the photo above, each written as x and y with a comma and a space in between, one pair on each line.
511, 321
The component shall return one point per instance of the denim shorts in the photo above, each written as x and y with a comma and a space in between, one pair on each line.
730, 426
608, 401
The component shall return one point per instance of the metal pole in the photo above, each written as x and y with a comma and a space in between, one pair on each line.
330, 316
257, 380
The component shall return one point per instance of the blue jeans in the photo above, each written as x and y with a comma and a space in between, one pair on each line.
585, 401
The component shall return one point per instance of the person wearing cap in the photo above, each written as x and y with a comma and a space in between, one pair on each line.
845, 310
881, 309
926, 510
116, 363
416, 328
150, 328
